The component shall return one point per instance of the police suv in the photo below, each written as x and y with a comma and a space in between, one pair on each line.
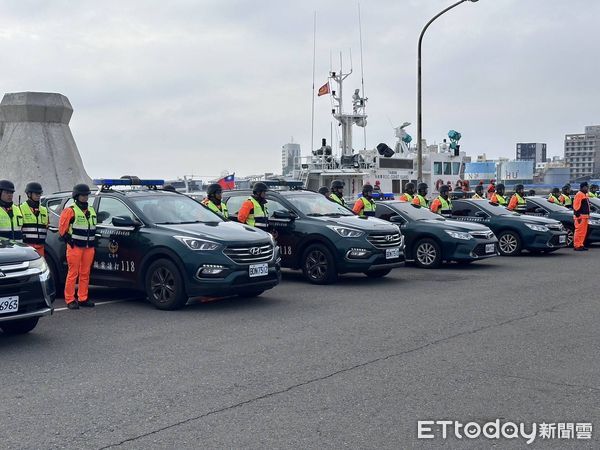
166, 244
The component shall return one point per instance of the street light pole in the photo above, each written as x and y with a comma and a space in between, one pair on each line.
419, 112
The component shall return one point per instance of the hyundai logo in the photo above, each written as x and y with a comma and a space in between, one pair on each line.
2, 274
255, 251
389, 237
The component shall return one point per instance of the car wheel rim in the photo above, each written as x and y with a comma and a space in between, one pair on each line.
569, 237
508, 243
316, 265
426, 254
162, 285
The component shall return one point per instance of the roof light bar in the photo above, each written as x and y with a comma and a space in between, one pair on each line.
108, 182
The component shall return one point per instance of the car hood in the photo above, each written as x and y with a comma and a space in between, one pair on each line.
12, 252
368, 224
225, 232
538, 220
454, 225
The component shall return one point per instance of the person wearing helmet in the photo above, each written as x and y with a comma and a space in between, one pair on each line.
11, 218
593, 191
478, 193
365, 205
581, 212
517, 201
409, 193
254, 210
498, 196
169, 187
213, 200
553, 197
35, 218
442, 205
421, 197
337, 192
565, 197
77, 227
324, 190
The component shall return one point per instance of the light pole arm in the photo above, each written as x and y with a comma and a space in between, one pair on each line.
419, 116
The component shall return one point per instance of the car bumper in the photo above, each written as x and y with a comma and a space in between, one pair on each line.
470, 250
36, 294
542, 241
375, 259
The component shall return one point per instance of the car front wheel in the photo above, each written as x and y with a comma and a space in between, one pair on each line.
318, 265
509, 243
164, 285
428, 254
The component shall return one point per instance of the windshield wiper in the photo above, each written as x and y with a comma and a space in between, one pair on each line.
337, 215
315, 215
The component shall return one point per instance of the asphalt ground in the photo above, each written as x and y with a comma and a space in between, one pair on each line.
353, 365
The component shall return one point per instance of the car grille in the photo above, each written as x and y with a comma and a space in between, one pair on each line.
11, 274
555, 226
487, 235
385, 240
250, 254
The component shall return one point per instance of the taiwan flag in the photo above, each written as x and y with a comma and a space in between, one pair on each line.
227, 182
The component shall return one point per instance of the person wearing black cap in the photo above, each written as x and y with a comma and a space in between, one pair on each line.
77, 227
35, 218
253, 211
337, 192
554, 195
365, 205
11, 218
478, 193
517, 201
442, 204
565, 197
213, 201
409, 192
581, 211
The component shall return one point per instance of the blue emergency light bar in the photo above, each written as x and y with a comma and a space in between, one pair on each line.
108, 182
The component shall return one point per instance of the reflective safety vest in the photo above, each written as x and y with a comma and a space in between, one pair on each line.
421, 201
259, 217
521, 204
337, 199
222, 211
500, 199
368, 208
10, 227
552, 199
566, 200
83, 229
35, 227
592, 195
406, 197
446, 209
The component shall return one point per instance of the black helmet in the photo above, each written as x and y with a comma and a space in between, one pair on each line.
81, 189
324, 190
566, 187
337, 184
479, 188
214, 189
259, 187
409, 187
422, 187
169, 187
519, 187
7, 186
500, 187
367, 188
34, 188
594, 186
555, 190
444, 189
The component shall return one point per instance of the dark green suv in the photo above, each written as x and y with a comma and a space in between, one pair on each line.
324, 239
168, 245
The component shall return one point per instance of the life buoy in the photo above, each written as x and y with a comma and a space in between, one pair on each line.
438, 184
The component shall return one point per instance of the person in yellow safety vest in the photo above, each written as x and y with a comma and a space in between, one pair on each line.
213, 200
478, 193
498, 196
592, 191
337, 192
35, 218
553, 197
365, 205
565, 197
442, 204
421, 198
11, 218
254, 210
517, 202
409, 193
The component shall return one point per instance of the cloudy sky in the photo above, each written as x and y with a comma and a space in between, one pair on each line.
167, 88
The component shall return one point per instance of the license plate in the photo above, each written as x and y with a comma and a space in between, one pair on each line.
490, 248
9, 304
258, 270
562, 239
391, 253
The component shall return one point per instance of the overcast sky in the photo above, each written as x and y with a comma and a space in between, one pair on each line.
167, 88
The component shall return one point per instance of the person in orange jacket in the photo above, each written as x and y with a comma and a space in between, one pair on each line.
581, 211
365, 205
517, 201
491, 189
498, 196
409, 193
77, 227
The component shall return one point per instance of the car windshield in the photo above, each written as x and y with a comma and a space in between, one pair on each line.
595, 201
495, 210
173, 209
550, 206
415, 212
316, 205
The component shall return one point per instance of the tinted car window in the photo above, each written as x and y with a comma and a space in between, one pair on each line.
274, 205
317, 205
111, 207
416, 212
462, 209
173, 209
384, 212
235, 203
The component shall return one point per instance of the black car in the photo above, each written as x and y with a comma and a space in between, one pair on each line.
514, 231
325, 239
430, 239
540, 206
26, 288
170, 246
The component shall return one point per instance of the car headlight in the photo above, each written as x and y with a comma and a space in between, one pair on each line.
198, 244
536, 227
39, 264
346, 232
459, 235
594, 222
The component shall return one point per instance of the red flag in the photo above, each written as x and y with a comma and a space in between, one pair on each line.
323, 90
227, 182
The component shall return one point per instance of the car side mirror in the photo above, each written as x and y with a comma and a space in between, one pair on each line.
124, 221
481, 214
102, 216
540, 211
284, 214
397, 219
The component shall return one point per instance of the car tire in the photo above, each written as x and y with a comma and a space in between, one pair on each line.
427, 254
318, 265
21, 326
509, 243
378, 273
164, 285
251, 294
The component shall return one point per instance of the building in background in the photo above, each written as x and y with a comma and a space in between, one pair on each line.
535, 152
514, 172
582, 152
290, 158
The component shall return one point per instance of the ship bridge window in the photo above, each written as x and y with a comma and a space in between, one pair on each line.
456, 168
395, 163
447, 168
437, 168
